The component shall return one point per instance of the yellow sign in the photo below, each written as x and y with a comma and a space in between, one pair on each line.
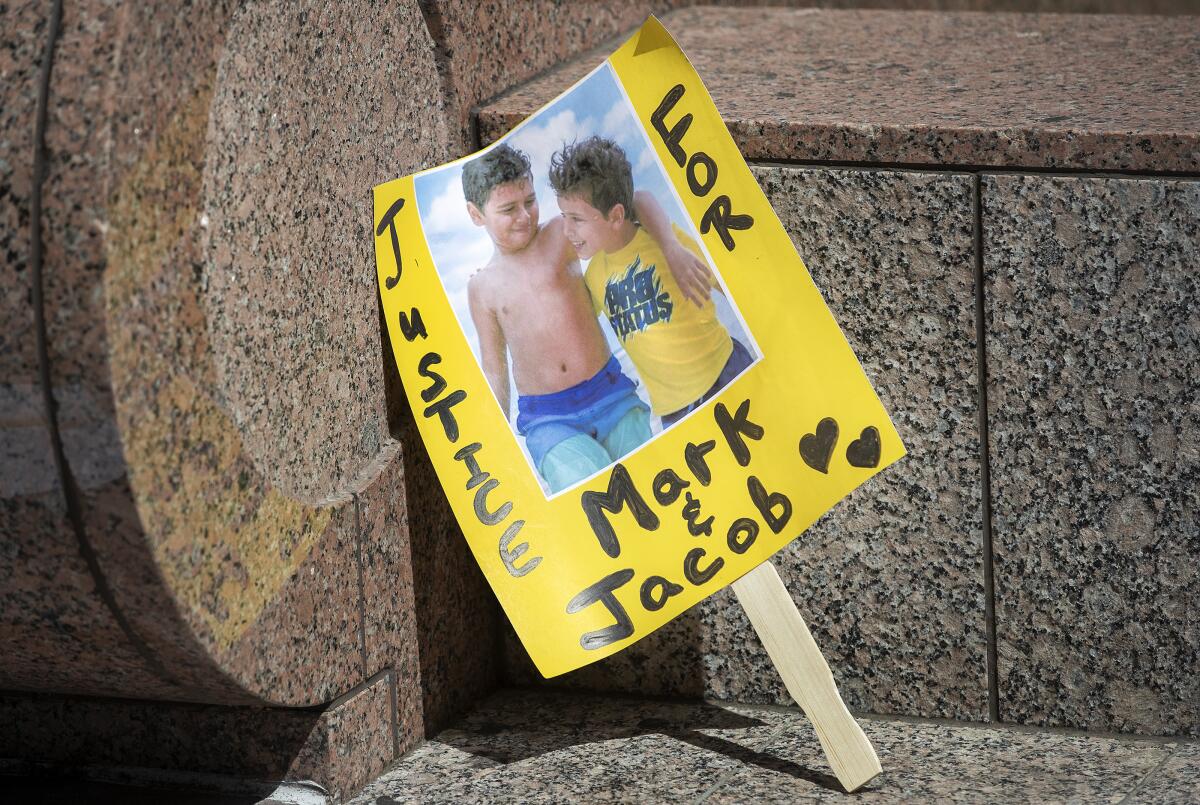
630, 387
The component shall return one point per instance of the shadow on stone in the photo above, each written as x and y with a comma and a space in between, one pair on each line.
69, 735
517, 725
456, 613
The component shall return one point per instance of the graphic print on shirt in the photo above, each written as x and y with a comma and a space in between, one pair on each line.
635, 300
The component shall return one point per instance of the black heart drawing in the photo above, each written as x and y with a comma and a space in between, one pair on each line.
816, 449
864, 451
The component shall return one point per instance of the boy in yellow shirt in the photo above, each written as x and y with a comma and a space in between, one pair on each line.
575, 407
682, 351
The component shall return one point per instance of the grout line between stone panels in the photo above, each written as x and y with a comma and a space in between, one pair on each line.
985, 475
394, 704
951, 167
362, 589
369, 682
70, 489
512, 119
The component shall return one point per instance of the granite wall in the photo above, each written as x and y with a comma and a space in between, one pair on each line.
1034, 559
1093, 321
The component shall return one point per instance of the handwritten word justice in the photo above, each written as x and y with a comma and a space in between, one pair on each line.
441, 404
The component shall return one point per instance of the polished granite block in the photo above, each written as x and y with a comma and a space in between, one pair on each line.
524, 746
932, 88
891, 580
341, 747
224, 520
319, 607
76, 191
290, 288
487, 48
352, 742
224, 545
389, 627
169, 54
57, 631
22, 44
81, 645
79, 731
1093, 344
415, 557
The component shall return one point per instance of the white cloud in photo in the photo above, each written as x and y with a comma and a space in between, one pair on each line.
540, 140
645, 162
448, 211
617, 121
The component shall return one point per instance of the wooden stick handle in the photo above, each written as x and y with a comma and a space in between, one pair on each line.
806, 674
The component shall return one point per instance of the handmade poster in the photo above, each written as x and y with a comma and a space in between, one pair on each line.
630, 388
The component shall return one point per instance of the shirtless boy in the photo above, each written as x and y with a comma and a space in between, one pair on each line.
576, 409
682, 351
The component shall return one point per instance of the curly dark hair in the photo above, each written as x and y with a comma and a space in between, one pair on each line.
500, 165
596, 170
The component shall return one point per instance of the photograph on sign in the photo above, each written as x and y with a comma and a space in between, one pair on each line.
581, 284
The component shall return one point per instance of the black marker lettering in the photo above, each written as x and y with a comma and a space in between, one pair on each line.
620, 492
719, 216
735, 427
666, 589
693, 454
667, 486
766, 503
486, 517
411, 328
710, 173
742, 534
442, 409
388, 221
602, 591
691, 567
691, 511
437, 383
674, 137
467, 456
509, 556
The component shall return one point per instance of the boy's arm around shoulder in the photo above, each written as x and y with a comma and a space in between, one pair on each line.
493, 349
690, 271
555, 233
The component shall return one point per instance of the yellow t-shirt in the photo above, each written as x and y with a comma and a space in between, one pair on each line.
679, 349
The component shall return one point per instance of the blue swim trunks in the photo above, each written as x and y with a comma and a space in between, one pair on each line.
591, 408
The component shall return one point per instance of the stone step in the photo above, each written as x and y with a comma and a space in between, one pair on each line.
919, 88
526, 747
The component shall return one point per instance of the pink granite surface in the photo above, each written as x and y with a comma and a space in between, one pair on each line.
1089, 92
218, 448
486, 48
42, 570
